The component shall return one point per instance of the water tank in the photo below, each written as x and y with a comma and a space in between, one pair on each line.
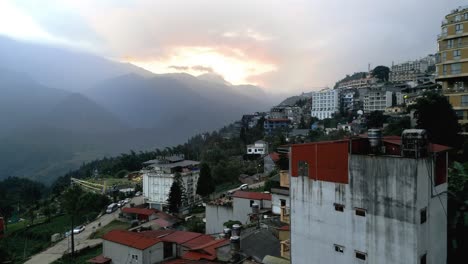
236, 230
414, 143
375, 137
255, 208
227, 232
235, 243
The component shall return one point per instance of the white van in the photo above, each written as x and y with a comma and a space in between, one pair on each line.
111, 208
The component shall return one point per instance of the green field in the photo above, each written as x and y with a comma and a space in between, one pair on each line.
114, 225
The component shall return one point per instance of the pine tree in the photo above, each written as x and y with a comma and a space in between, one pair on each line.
205, 185
176, 194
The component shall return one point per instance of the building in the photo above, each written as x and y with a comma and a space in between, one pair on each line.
281, 206
237, 207
325, 103
120, 246
413, 71
452, 61
140, 214
360, 83
369, 200
158, 176
377, 100
260, 147
271, 124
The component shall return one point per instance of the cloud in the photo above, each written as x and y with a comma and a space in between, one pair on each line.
282, 45
202, 68
179, 68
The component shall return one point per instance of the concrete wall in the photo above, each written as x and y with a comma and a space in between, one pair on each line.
120, 254
276, 202
242, 208
216, 216
390, 232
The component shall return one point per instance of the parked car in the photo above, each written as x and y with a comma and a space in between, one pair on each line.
138, 193
121, 203
78, 229
244, 186
111, 208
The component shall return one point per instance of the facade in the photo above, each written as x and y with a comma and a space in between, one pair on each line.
353, 202
377, 101
260, 147
272, 124
158, 176
452, 61
358, 83
325, 103
238, 207
412, 71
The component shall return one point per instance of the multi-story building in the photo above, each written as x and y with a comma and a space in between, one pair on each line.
325, 103
349, 100
412, 71
292, 113
369, 200
260, 147
272, 124
158, 176
452, 61
357, 83
377, 100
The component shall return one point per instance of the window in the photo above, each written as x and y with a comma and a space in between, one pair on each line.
135, 257
449, 43
339, 207
303, 168
444, 69
339, 248
464, 100
444, 31
282, 202
444, 56
422, 260
465, 16
456, 54
459, 114
460, 42
360, 212
168, 250
457, 18
361, 255
455, 68
423, 215
458, 28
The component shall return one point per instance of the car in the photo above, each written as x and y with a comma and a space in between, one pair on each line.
138, 193
78, 229
120, 203
127, 200
244, 186
111, 208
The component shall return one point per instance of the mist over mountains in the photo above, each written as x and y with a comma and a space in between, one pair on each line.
59, 108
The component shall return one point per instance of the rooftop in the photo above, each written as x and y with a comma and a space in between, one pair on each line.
252, 195
131, 239
183, 163
140, 211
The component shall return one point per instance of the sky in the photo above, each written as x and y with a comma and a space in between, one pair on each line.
283, 46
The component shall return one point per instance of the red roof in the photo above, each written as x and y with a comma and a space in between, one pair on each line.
162, 222
275, 156
278, 120
198, 241
181, 237
192, 255
284, 228
252, 195
186, 261
140, 211
131, 239
99, 260
156, 233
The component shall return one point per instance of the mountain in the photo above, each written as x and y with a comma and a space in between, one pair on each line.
61, 68
60, 108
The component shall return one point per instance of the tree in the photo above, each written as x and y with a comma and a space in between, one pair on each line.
205, 185
302, 124
435, 114
175, 199
72, 204
381, 73
47, 210
396, 127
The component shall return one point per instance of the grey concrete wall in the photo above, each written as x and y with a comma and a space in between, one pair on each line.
216, 216
276, 203
120, 254
387, 188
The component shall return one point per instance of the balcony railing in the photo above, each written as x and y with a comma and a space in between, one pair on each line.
445, 46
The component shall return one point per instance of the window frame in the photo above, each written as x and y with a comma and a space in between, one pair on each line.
423, 215
360, 212
339, 248
339, 207
360, 255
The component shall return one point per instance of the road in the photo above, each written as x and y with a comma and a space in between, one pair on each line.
82, 240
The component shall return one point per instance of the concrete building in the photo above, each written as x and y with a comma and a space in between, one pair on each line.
158, 176
452, 61
417, 71
120, 246
237, 207
377, 100
260, 147
357, 83
271, 125
378, 200
325, 103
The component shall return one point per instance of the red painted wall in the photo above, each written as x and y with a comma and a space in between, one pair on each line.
327, 161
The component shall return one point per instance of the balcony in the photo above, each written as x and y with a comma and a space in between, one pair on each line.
285, 249
284, 216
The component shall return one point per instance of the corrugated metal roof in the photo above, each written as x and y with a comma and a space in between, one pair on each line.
181, 237
252, 195
140, 211
131, 239
99, 260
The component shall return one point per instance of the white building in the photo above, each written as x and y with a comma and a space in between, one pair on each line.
158, 176
411, 71
259, 147
377, 101
351, 205
325, 103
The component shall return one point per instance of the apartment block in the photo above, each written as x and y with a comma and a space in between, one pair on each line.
325, 103
452, 61
369, 200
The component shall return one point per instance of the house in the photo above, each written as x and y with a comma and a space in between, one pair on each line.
369, 200
159, 246
260, 147
158, 176
281, 205
272, 124
141, 214
236, 207
269, 162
